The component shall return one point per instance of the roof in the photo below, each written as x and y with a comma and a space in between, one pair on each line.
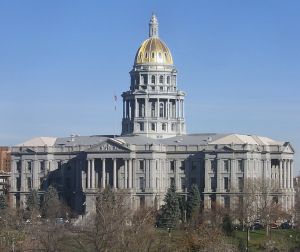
189, 139
39, 141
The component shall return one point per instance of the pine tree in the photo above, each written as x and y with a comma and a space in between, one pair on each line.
193, 202
51, 206
3, 203
33, 201
170, 211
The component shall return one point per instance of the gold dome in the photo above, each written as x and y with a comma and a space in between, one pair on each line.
153, 50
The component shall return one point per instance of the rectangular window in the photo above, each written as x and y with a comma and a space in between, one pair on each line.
172, 165
142, 165
240, 166
142, 183
241, 184
19, 167
182, 165
182, 183
43, 166
153, 126
141, 126
18, 182
29, 184
226, 184
213, 184
172, 181
42, 183
29, 166
226, 165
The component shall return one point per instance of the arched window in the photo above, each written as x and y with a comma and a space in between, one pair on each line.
161, 110
164, 127
168, 79
159, 55
161, 79
153, 79
146, 55
153, 54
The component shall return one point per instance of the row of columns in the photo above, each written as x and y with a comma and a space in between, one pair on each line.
286, 174
171, 110
92, 177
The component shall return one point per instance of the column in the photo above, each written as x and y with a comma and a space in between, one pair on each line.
207, 177
233, 178
152, 177
245, 164
168, 109
280, 173
123, 109
35, 175
136, 108
23, 182
219, 179
289, 173
103, 173
13, 176
292, 174
146, 108
83, 179
93, 173
134, 167
114, 173
284, 174
157, 108
89, 174
147, 174
183, 108
130, 173
125, 173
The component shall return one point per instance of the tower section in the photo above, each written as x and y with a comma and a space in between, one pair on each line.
153, 106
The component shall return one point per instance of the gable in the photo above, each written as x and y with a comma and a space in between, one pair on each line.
288, 148
107, 146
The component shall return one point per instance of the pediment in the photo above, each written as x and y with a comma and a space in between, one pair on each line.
108, 146
288, 148
27, 150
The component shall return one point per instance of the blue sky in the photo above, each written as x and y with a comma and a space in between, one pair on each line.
61, 62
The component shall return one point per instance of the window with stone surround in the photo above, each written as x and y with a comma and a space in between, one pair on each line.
172, 181
182, 183
142, 183
29, 183
226, 165
29, 166
153, 79
240, 166
42, 166
241, 184
172, 165
226, 184
161, 79
142, 165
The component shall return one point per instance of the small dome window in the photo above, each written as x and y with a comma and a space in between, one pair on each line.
146, 55
161, 79
168, 79
159, 55
153, 79
153, 54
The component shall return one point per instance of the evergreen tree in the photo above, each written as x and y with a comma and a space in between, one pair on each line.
193, 202
33, 201
227, 225
3, 203
170, 211
52, 206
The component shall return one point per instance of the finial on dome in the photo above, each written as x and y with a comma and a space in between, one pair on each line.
153, 27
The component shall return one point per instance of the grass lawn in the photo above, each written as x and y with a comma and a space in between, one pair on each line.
283, 240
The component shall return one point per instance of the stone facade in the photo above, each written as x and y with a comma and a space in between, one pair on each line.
153, 151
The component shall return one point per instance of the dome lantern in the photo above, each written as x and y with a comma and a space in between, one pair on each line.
153, 27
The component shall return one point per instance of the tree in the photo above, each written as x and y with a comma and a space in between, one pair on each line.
51, 206
33, 201
227, 225
170, 212
3, 203
193, 202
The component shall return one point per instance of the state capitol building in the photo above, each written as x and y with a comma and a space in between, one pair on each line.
153, 151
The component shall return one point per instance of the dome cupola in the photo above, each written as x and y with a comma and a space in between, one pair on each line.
153, 50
